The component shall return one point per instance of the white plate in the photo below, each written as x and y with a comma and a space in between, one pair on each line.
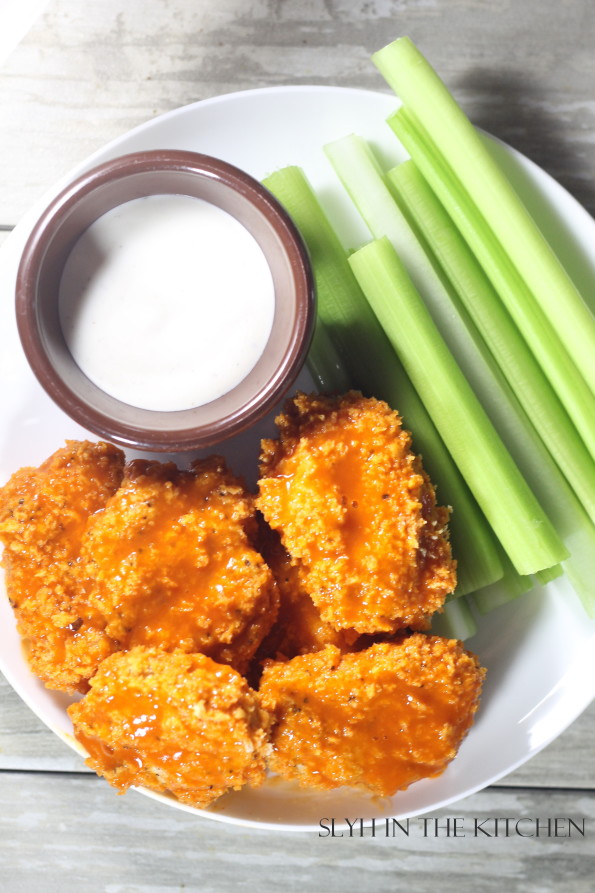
539, 651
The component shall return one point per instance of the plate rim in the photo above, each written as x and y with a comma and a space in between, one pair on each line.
106, 150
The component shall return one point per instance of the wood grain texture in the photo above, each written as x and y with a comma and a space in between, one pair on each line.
87, 73
126, 844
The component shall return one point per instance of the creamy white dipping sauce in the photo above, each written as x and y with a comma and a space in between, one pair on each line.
166, 302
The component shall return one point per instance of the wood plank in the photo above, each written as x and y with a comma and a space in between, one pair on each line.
87, 73
64, 835
26, 743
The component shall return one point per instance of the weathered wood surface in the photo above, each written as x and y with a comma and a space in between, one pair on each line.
68, 834
85, 74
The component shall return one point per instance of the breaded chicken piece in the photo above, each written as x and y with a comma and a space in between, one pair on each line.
173, 566
43, 515
353, 505
380, 719
299, 628
173, 722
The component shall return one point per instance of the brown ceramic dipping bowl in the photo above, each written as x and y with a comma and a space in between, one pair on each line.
97, 192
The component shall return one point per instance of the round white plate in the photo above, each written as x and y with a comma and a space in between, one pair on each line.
539, 650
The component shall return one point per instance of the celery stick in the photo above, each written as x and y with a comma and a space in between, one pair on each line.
373, 367
499, 332
511, 586
324, 363
538, 333
516, 517
354, 162
549, 574
360, 173
361, 344
456, 621
425, 95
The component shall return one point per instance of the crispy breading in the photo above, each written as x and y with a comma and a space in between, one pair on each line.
43, 515
152, 589
173, 722
353, 504
381, 719
299, 628
173, 565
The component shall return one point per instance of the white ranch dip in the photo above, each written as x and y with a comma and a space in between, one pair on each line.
166, 302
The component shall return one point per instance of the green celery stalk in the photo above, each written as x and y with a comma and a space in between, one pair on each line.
425, 95
497, 329
455, 621
360, 173
555, 362
508, 503
541, 472
324, 363
549, 574
373, 367
511, 586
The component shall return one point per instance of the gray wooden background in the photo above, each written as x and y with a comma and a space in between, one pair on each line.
87, 72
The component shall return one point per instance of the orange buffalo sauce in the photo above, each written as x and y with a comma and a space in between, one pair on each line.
354, 506
173, 566
44, 513
381, 718
173, 722
143, 745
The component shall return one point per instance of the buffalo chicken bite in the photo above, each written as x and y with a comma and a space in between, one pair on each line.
173, 565
353, 505
173, 722
44, 513
380, 719
299, 628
